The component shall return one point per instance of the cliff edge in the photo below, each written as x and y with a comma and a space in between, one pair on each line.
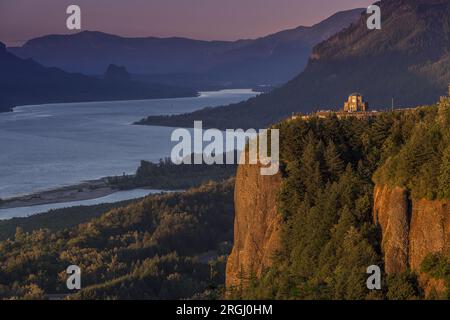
411, 229
257, 225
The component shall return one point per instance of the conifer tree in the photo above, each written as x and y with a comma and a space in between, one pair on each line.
333, 161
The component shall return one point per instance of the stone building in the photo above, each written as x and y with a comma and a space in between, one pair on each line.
356, 103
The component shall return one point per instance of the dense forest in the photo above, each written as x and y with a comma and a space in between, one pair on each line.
175, 245
169, 246
422, 164
57, 219
326, 199
166, 175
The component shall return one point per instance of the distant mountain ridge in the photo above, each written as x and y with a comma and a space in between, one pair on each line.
273, 59
138, 55
408, 60
27, 82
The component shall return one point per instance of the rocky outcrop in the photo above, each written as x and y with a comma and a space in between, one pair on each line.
257, 224
430, 230
391, 212
411, 229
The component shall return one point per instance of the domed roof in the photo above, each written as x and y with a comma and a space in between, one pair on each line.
356, 94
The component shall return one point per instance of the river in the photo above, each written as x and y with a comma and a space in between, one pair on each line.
54, 145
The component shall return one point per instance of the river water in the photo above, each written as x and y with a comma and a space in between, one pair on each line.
112, 198
53, 145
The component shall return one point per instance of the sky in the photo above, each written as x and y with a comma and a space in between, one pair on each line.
21, 20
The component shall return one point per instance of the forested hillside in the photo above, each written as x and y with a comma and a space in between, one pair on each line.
175, 245
164, 247
326, 202
422, 163
165, 175
406, 60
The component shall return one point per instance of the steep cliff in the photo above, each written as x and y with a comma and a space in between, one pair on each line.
411, 229
332, 214
391, 212
257, 224
429, 230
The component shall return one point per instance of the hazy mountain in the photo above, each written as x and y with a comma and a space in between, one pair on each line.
27, 82
279, 57
91, 52
269, 60
407, 59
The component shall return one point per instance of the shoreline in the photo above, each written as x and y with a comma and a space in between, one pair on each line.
86, 190
11, 109
89, 189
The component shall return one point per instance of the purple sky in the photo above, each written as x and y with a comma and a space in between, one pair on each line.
21, 20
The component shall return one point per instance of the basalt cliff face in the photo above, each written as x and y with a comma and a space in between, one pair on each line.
392, 213
257, 226
411, 229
